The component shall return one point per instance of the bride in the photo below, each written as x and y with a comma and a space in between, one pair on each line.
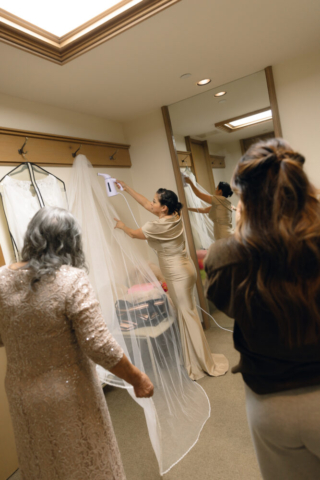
166, 236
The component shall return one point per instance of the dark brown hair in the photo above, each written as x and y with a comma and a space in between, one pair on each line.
280, 229
170, 200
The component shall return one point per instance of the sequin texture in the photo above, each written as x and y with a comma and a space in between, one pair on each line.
52, 337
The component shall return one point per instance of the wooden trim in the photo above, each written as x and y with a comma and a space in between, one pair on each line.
187, 225
222, 125
273, 102
48, 149
209, 168
2, 262
245, 143
185, 159
217, 161
26, 36
189, 147
189, 141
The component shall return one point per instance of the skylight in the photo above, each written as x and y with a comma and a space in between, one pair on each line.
61, 30
62, 16
246, 120
251, 120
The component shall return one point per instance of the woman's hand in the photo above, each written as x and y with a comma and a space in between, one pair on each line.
187, 179
123, 184
238, 213
119, 224
143, 387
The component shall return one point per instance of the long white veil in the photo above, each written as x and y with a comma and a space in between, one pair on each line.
139, 315
201, 224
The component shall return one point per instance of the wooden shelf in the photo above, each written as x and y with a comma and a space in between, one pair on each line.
56, 150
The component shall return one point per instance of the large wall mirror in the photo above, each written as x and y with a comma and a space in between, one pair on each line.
207, 135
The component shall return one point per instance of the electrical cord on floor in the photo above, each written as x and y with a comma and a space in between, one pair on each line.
215, 321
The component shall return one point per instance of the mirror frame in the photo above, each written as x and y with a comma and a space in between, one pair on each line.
177, 174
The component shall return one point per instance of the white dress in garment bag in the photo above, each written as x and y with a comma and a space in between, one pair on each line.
21, 203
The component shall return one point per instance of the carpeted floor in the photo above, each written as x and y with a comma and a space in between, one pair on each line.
224, 450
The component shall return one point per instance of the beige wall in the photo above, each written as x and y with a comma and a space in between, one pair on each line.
151, 161
297, 85
25, 115
180, 142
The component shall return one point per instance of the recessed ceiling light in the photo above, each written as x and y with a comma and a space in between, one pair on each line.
223, 100
220, 94
205, 81
185, 75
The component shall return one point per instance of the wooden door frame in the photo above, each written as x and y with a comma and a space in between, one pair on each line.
189, 141
185, 216
176, 169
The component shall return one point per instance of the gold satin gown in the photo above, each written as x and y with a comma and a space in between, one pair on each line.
221, 215
61, 422
166, 237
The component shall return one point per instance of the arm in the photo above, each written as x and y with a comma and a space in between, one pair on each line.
129, 231
206, 198
200, 210
95, 340
144, 202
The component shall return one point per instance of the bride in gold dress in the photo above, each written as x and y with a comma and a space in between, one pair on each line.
166, 236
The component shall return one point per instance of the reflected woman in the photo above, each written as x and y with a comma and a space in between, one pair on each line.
221, 208
166, 236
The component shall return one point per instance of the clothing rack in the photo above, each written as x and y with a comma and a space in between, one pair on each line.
58, 150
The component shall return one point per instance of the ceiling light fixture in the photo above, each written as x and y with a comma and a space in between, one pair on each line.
203, 82
185, 75
220, 94
246, 120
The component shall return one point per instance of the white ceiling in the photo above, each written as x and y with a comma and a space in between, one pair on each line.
139, 70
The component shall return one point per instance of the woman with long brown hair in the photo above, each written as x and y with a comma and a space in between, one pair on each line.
267, 277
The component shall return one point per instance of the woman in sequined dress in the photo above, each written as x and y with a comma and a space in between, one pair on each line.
53, 331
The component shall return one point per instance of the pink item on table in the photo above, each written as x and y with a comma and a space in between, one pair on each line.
142, 287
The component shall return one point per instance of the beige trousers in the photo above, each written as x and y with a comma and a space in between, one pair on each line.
285, 429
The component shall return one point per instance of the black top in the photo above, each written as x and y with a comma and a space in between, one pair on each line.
266, 363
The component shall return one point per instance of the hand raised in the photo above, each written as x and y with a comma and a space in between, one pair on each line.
119, 224
122, 184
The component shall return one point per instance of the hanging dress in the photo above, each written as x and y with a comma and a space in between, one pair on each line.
21, 202
221, 215
201, 224
166, 236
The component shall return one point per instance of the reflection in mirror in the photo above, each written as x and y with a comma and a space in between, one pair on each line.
212, 130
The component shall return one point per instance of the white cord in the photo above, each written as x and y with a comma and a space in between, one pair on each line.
134, 218
226, 329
